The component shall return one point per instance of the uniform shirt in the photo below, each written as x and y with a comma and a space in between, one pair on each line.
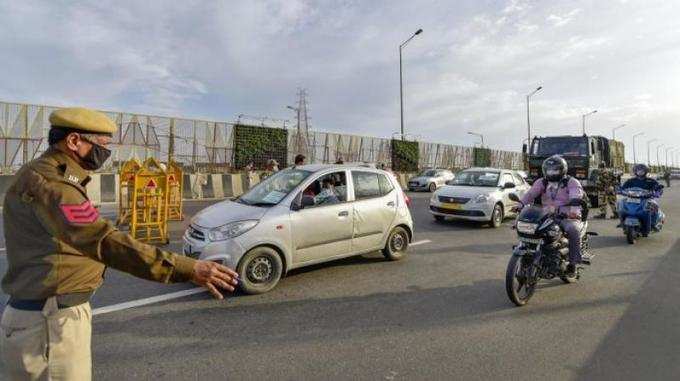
605, 179
58, 244
556, 195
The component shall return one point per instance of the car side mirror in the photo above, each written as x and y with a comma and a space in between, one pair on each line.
514, 197
508, 185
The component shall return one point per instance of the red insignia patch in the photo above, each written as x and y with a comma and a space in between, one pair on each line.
84, 213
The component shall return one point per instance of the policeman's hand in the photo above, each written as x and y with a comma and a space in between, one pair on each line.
212, 276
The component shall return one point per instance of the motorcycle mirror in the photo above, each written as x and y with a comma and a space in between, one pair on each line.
514, 197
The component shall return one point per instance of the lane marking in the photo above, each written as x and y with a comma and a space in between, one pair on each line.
146, 301
3, 249
421, 242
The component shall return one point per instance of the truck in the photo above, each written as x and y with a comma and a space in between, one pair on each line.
583, 155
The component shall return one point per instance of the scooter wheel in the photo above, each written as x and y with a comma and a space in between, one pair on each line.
631, 236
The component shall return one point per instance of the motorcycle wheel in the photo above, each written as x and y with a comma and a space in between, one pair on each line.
631, 236
514, 287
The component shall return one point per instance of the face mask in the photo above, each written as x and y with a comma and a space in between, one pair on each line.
97, 156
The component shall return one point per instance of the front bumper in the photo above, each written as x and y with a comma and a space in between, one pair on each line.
468, 211
418, 187
228, 252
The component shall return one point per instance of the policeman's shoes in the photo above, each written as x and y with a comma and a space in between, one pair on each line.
615, 216
586, 257
601, 216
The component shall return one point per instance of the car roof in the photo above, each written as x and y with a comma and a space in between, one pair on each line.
324, 167
487, 169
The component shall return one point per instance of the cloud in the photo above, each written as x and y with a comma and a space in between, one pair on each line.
565, 19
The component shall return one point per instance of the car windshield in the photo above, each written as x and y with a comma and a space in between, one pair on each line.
428, 173
477, 178
274, 188
562, 146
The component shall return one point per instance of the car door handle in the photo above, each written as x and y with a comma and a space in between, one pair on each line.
344, 213
391, 203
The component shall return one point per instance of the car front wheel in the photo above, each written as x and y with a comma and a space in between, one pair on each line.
496, 216
259, 270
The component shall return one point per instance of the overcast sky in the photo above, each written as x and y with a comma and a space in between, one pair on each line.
469, 71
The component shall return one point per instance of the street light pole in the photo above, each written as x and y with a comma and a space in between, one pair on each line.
584, 120
401, 81
634, 155
480, 136
657, 154
529, 119
649, 143
667, 150
614, 130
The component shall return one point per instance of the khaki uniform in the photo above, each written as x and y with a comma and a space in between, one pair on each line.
57, 249
606, 181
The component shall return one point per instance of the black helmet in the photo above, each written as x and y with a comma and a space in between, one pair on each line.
640, 171
554, 168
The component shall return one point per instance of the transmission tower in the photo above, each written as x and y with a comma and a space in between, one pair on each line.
302, 124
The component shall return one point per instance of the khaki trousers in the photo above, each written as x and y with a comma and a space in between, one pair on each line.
52, 344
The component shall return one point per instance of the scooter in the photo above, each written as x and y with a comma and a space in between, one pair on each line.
635, 209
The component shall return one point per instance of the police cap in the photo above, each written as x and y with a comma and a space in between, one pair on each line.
82, 120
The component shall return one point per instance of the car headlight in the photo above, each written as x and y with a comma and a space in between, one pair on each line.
526, 227
482, 198
231, 230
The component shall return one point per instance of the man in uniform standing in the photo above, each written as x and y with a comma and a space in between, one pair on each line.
606, 182
58, 247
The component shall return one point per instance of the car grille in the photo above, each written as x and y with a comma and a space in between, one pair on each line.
454, 200
466, 213
196, 234
413, 183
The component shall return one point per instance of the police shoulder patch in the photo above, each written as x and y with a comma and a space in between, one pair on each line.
84, 213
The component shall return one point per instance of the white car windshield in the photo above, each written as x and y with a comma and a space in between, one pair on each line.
428, 173
274, 188
477, 179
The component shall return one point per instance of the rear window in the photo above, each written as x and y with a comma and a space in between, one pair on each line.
366, 185
385, 185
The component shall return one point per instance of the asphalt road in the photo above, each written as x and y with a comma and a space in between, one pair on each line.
441, 313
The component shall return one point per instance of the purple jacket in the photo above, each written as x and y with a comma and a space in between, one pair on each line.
555, 197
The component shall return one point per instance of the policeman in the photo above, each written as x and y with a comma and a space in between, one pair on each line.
58, 247
606, 182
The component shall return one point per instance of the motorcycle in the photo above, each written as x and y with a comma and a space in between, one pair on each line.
635, 209
543, 250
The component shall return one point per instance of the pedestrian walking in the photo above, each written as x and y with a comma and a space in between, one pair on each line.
271, 168
667, 177
606, 182
58, 247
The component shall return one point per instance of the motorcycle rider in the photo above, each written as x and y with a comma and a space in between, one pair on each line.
557, 190
642, 180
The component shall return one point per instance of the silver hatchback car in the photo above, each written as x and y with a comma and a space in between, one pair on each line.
302, 216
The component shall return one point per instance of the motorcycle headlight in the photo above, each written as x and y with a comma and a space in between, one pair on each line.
231, 230
482, 198
526, 227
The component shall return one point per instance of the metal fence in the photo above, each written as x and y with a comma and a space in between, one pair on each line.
201, 145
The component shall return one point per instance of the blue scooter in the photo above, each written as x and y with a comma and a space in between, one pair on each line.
635, 209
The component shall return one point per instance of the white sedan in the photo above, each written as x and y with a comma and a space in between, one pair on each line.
478, 194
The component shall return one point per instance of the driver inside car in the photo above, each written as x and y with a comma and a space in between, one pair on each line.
561, 192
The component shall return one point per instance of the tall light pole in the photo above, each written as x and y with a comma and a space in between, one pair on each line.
584, 120
657, 154
614, 130
649, 142
480, 136
529, 119
668, 150
401, 80
634, 155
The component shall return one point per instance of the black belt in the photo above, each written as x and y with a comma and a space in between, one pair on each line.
63, 301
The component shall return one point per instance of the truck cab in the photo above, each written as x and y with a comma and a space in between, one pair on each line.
583, 155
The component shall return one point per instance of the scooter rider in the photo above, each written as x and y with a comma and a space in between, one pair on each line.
643, 181
558, 190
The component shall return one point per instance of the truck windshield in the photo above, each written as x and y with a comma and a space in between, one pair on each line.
563, 146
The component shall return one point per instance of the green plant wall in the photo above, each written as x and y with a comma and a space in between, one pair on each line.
259, 144
405, 155
482, 157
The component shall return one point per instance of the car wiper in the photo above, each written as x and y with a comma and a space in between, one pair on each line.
262, 204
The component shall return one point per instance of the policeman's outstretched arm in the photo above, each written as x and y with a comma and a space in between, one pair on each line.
65, 212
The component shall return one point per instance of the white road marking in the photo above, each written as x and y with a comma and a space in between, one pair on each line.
421, 242
3, 249
145, 301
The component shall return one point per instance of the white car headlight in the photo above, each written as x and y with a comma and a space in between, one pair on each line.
231, 230
526, 227
482, 198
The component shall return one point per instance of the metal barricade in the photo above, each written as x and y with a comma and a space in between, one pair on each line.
175, 186
126, 179
149, 220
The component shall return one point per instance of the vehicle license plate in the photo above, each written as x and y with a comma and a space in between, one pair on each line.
633, 200
451, 205
530, 240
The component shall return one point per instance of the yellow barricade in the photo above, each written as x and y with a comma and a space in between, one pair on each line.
175, 186
126, 181
149, 220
